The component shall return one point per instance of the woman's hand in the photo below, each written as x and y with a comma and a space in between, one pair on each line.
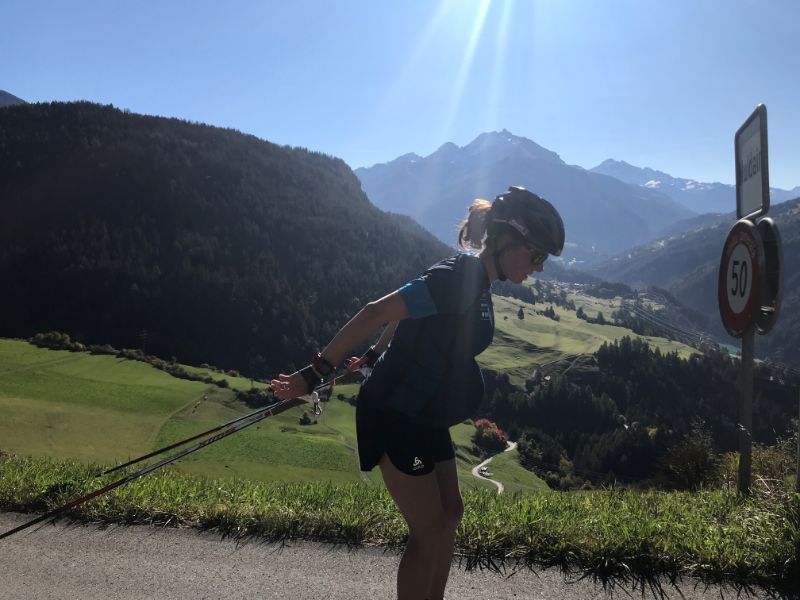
289, 386
354, 363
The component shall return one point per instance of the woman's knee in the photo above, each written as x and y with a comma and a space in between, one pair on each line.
438, 523
431, 525
452, 513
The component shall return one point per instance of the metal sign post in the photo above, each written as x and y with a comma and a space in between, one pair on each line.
750, 285
746, 411
740, 273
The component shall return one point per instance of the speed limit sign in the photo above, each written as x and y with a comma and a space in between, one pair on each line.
741, 271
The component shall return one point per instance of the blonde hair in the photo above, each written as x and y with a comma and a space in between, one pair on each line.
472, 230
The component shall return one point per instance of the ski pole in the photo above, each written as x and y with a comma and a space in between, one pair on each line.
319, 388
254, 418
181, 443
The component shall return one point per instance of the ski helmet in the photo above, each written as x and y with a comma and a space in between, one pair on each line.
530, 216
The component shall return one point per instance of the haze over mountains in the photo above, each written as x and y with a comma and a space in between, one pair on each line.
606, 210
602, 215
687, 265
694, 195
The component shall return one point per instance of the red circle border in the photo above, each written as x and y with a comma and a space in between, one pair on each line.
744, 232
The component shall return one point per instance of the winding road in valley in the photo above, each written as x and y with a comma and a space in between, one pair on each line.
476, 472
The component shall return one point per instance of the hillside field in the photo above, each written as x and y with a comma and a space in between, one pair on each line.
106, 410
522, 345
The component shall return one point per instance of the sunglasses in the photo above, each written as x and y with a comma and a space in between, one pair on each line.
536, 257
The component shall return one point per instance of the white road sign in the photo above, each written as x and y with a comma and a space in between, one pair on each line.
752, 166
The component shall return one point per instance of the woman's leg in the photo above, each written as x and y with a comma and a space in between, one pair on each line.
452, 510
419, 500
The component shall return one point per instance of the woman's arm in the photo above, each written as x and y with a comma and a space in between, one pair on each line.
391, 307
386, 337
354, 363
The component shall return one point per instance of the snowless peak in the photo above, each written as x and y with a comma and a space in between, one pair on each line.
610, 162
400, 160
632, 174
445, 151
447, 147
619, 166
504, 137
504, 144
404, 159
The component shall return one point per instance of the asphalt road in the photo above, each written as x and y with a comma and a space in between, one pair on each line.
88, 562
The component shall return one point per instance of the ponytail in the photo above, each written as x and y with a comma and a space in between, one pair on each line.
473, 229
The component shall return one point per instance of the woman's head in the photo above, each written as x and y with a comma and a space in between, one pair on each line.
520, 228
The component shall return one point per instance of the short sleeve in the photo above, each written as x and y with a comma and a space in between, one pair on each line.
418, 299
449, 287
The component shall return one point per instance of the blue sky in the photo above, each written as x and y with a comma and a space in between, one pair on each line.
659, 84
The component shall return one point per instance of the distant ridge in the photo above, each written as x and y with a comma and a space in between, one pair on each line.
602, 214
695, 195
687, 264
7, 99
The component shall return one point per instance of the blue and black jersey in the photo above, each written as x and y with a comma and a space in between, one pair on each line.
429, 373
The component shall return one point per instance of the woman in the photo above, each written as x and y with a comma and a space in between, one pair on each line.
427, 379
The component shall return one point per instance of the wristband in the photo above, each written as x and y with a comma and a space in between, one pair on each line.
310, 376
371, 356
321, 366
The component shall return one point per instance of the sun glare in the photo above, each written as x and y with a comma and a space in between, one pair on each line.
457, 93
499, 70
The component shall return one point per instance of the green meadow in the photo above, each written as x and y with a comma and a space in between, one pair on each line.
102, 409
505, 468
84, 407
522, 345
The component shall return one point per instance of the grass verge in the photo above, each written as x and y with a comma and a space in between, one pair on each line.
617, 536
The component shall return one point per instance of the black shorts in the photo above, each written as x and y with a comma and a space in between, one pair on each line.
413, 450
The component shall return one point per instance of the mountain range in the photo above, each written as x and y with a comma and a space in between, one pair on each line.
602, 214
695, 195
606, 210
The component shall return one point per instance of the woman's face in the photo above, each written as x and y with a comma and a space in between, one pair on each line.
520, 261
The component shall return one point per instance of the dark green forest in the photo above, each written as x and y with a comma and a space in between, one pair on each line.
193, 241
617, 414
687, 265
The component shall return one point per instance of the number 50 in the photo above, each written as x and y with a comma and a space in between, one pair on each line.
739, 275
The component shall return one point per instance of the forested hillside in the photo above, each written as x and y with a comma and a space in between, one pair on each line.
195, 241
688, 266
622, 412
